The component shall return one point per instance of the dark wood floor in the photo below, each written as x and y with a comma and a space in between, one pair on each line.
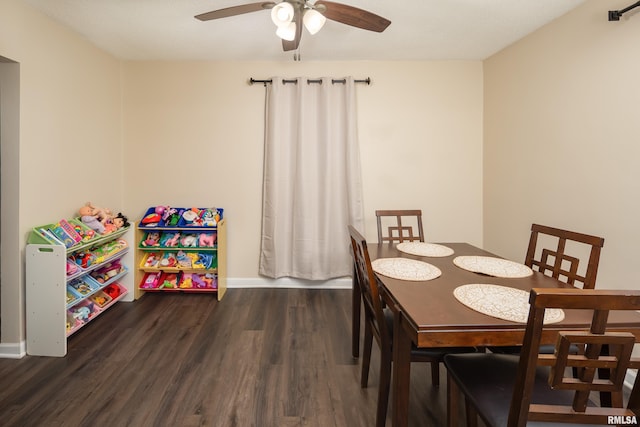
260, 357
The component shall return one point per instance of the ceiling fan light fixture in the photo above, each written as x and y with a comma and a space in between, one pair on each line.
287, 32
313, 21
282, 14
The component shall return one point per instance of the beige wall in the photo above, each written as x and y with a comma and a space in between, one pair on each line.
69, 140
131, 135
562, 137
193, 133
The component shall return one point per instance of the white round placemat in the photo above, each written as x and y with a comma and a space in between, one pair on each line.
424, 249
405, 269
496, 267
502, 302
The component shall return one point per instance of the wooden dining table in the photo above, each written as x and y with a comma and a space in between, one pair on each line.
428, 314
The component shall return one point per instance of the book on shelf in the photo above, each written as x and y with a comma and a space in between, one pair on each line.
65, 233
47, 234
70, 230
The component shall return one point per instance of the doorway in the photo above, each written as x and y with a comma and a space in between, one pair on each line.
11, 296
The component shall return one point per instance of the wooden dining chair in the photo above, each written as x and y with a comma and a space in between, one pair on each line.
510, 390
392, 229
548, 253
556, 262
379, 325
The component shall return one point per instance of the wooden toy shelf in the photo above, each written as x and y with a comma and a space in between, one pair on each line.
204, 266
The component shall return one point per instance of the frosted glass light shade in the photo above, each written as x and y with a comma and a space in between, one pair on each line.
287, 32
282, 14
313, 21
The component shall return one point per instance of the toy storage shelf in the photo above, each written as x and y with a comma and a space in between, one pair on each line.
53, 292
149, 277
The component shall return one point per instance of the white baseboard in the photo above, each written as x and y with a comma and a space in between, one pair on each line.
288, 282
13, 350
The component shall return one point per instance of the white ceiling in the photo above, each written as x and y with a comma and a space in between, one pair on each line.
419, 30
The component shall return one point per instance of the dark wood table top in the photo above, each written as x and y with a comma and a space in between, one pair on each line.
435, 318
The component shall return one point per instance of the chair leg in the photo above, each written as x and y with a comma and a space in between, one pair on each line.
383, 390
471, 414
366, 354
435, 374
356, 302
453, 394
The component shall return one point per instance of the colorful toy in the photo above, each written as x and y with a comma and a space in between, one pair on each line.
71, 297
151, 260
97, 218
207, 240
183, 260
109, 249
171, 216
169, 260
193, 257
81, 287
151, 280
204, 261
198, 281
108, 272
151, 219
210, 280
101, 299
112, 290
88, 217
170, 240
190, 216
210, 217
189, 241
83, 259
72, 268
103, 214
153, 239
116, 223
81, 313
84, 232
170, 281
186, 282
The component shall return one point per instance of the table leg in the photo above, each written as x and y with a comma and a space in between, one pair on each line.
356, 299
401, 372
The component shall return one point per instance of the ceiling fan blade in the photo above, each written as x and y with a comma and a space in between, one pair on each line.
293, 44
235, 10
353, 16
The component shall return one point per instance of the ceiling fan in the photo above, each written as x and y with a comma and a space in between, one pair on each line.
290, 15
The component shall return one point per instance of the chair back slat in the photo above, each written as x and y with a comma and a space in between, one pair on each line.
557, 263
369, 288
397, 231
602, 367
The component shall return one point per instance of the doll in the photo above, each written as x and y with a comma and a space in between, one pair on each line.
104, 215
116, 223
90, 218
153, 239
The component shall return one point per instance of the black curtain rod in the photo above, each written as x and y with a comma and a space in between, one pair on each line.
309, 81
614, 15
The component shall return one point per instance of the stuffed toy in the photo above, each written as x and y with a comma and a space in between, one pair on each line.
153, 239
207, 240
89, 218
188, 241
